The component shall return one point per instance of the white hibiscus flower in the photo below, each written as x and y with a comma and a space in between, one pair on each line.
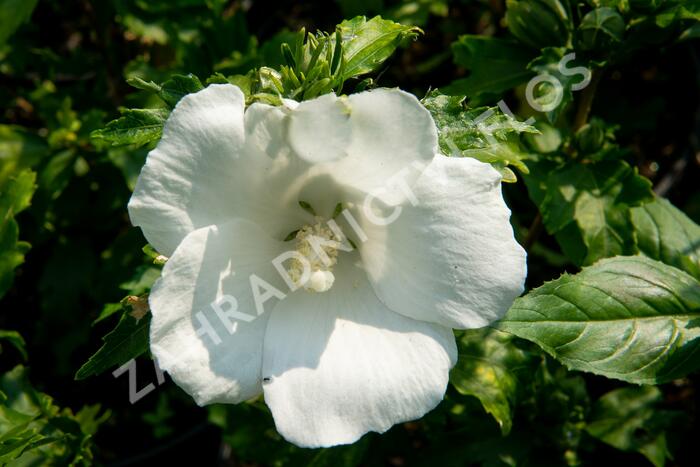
365, 340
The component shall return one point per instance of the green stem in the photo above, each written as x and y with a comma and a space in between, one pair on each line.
586, 102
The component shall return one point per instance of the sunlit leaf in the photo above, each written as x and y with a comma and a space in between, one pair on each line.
487, 369
628, 318
665, 233
136, 126
368, 43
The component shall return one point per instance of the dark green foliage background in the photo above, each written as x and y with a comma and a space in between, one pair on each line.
63, 75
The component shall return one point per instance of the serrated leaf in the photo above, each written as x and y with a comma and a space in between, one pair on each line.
483, 133
666, 234
127, 340
486, 369
628, 419
597, 199
628, 318
15, 196
135, 126
494, 65
366, 44
179, 86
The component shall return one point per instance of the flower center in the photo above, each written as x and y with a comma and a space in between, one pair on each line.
318, 244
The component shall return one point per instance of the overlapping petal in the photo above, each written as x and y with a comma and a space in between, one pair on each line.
223, 188
319, 129
392, 135
452, 258
335, 149
215, 356
201, 173
340, 363
359, 144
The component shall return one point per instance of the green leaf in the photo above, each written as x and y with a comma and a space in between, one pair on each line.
548, 140
600, 29
487, 369
140, 283
691, 33
127, 340
628, 318
14, 338
320, 63
138, 83
36, 432
108, 310
15, 196
494, 65
12, 14
666, 234
136, 126
688, 10
484, 133
596, 198
177, 87
628, 419
19, 149
366, 44
340, 456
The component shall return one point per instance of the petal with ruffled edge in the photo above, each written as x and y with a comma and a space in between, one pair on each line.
452, 258
340, 364
215, 357
202, 173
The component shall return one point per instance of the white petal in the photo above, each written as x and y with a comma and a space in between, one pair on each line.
264, 125
202, 173
339, 363
368, 142
451, 259
212, 264
285, 178
319, 129
393, 136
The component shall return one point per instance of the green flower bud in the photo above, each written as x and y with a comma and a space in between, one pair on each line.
590, 137
539, 23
